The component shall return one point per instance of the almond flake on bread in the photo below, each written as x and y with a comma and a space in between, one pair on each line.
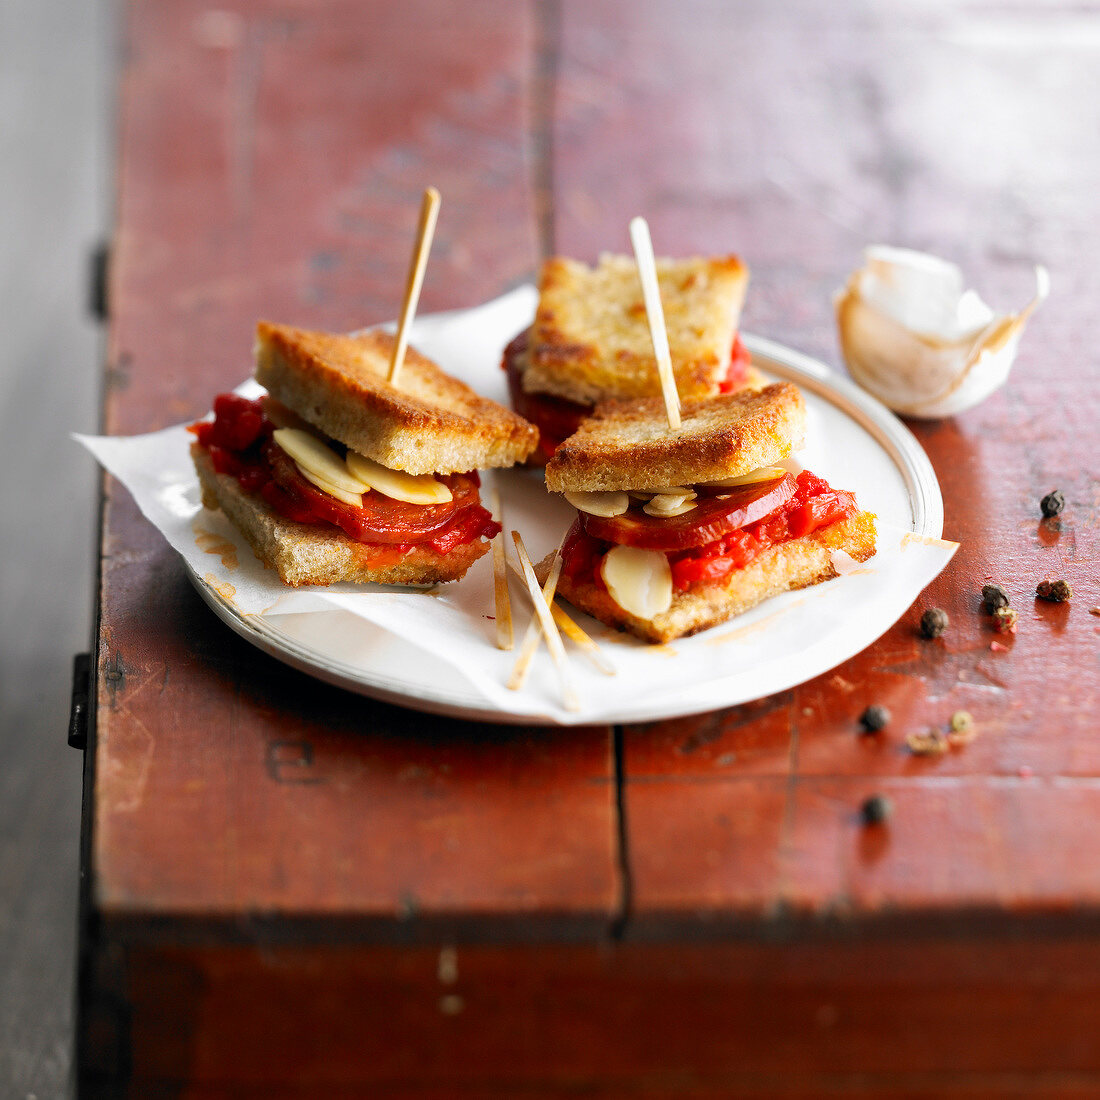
430, 423
311, 554
791, 565
590, 340
628, 445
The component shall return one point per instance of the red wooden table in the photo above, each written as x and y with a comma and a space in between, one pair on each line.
296, 891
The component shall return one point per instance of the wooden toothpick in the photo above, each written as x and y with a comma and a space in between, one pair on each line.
573, 632
531, 638
647, 272
429, 211
550, 631
502, 604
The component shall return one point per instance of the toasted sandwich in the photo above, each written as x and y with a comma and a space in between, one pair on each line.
337, 475
590, 340
677, 532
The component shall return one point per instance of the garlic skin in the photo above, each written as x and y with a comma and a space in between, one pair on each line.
921, 343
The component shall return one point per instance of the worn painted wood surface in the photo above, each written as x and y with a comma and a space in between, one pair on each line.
244, 817
861, 1018
798, 138
287, 796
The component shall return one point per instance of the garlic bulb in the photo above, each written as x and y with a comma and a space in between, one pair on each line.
916, 339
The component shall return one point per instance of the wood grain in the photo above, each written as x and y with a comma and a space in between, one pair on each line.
822, 1017
688, 907
797, 140
224, 784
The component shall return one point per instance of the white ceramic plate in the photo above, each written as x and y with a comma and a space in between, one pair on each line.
853, 441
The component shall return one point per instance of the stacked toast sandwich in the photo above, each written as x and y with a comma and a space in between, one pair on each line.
680, 530
590, 340
338, 475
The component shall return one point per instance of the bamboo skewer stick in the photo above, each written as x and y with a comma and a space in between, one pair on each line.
553, 638
531, 638
502, 604
651, 293
573, 632
579, 638
429, 212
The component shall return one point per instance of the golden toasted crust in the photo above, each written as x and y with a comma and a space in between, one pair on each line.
428, 423
796, 564
590, 340
629, 445
302, 553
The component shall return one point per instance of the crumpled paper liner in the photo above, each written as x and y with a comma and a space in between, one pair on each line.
458, 667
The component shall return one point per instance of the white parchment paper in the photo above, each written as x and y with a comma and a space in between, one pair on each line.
450, 631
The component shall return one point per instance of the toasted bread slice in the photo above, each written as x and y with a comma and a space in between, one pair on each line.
798, 563
629, 445
590, 340
307, 554
430, 423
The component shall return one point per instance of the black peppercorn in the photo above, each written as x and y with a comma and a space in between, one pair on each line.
876, 809
933, 622
1053, 503
1055, 591
994, 596
874, 718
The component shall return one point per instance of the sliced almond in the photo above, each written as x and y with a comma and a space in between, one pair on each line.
396, 484
672, 499
354, 499
677, 506
764, 473
315, 457
599, 504
666, 491
639, 581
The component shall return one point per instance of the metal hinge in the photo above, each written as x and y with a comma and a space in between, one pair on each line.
78, 707
98, 281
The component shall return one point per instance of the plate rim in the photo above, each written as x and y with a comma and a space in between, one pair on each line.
887, 430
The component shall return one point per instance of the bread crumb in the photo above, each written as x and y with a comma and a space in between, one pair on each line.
930, 743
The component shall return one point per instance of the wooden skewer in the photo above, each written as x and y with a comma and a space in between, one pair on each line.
573, 632
553, 638
429, 212
531, 638
578, 637
502, 604
651, 292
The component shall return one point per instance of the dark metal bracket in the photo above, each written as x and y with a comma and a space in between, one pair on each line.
78, 707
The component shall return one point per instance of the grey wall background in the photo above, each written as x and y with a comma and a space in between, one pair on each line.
56, 106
